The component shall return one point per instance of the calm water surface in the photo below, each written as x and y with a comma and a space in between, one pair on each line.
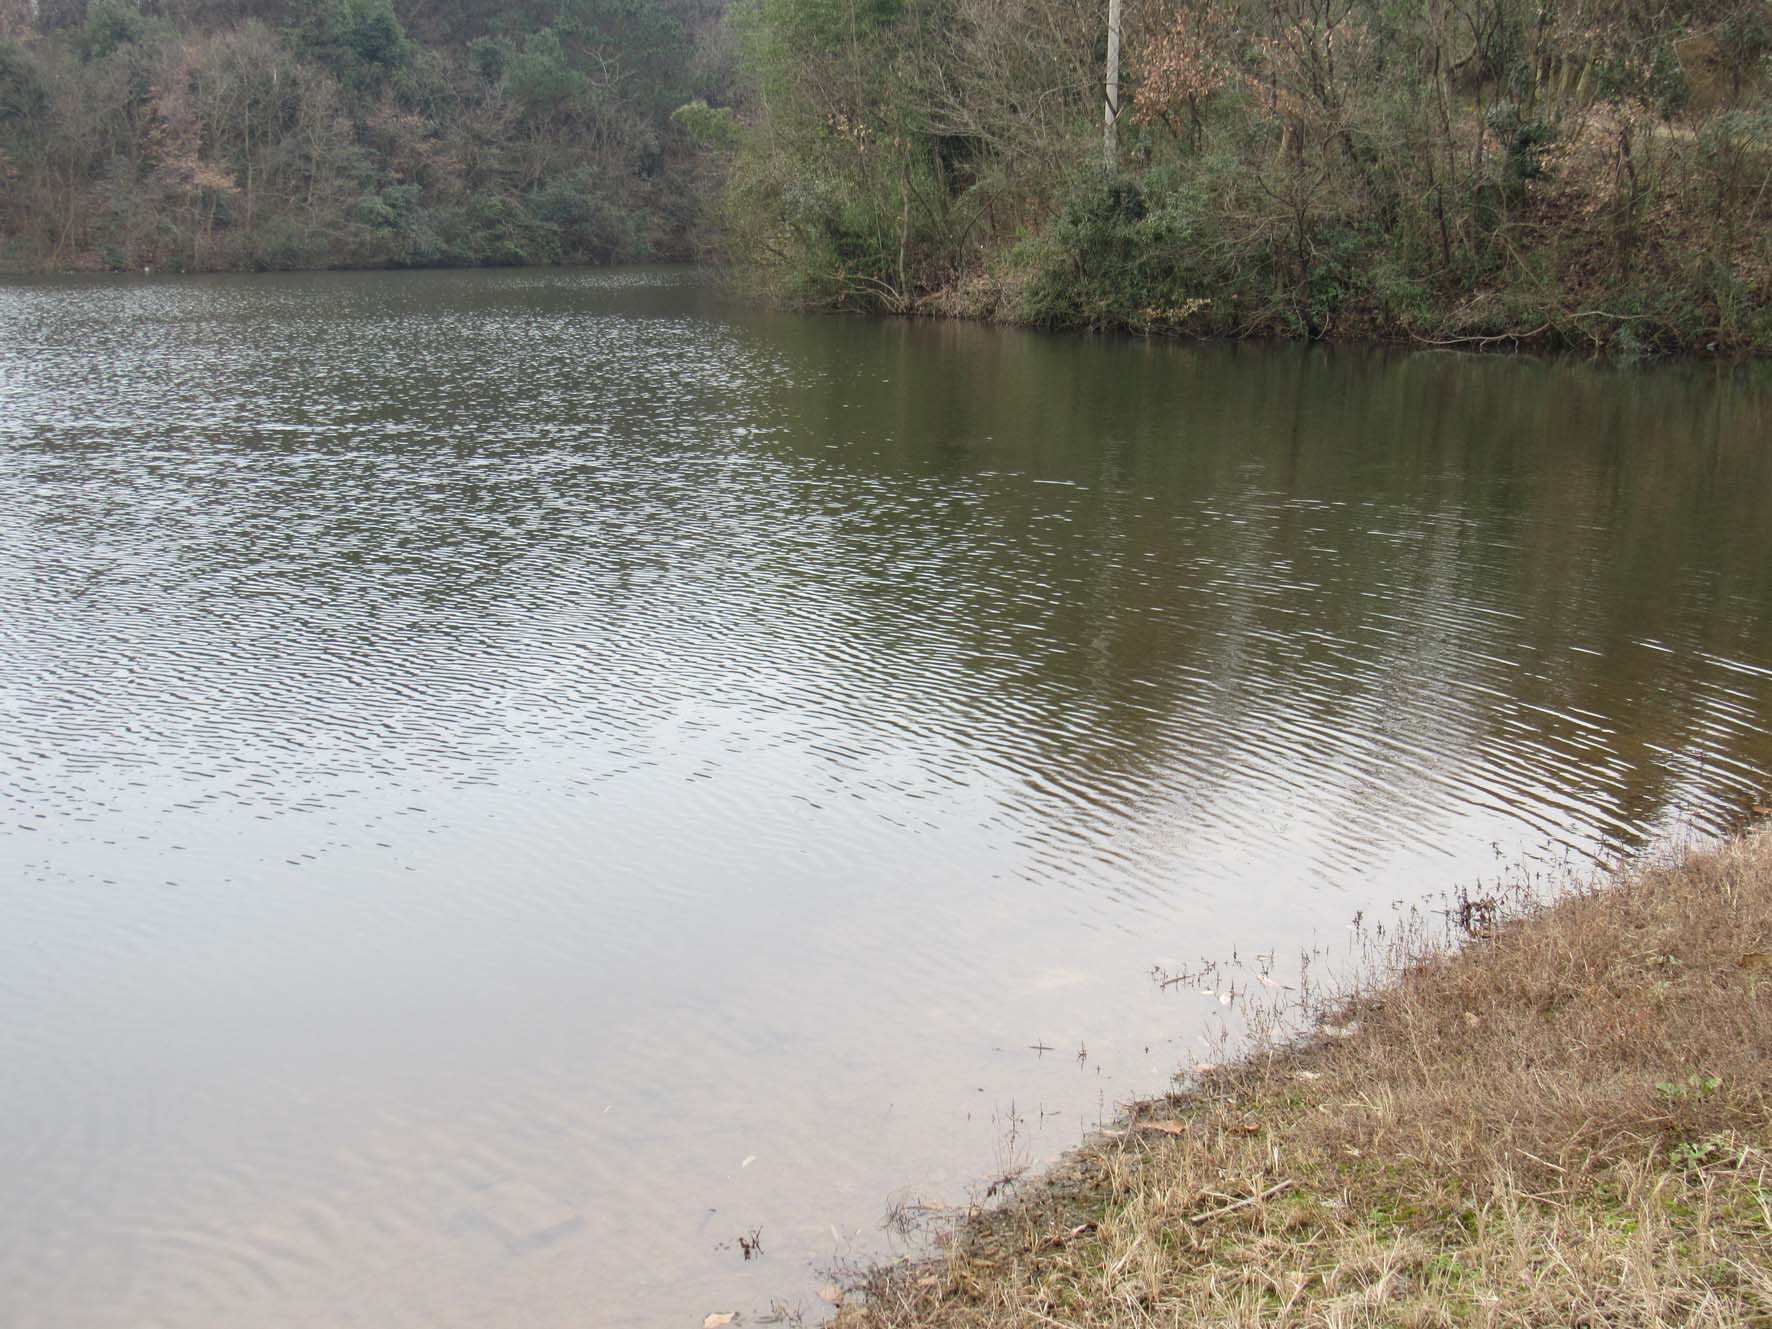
511, 781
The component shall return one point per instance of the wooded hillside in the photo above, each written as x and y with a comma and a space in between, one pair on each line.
203, 134
1459, 172
1469, 172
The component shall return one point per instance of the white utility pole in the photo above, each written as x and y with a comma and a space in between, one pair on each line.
1111, 113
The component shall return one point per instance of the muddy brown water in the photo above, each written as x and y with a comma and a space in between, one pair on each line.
510, 782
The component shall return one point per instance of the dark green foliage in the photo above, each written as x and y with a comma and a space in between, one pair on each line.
566, 221
653, 39
817, 27
1523, 140
487, 57
110, 25
282, 247
1653, 77
541, 81
360, 41
587, 224
710, 126
1104, 257
24, 93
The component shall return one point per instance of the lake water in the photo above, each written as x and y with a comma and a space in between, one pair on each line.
510, 782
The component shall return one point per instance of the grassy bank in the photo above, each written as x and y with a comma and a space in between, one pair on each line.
1563, 1120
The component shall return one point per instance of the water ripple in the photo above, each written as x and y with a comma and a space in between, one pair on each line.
483, 755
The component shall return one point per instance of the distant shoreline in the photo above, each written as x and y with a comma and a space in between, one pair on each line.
939, 311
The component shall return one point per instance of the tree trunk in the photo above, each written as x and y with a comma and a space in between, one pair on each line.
1111, 112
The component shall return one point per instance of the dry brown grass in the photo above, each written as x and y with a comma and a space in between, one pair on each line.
1566, 1121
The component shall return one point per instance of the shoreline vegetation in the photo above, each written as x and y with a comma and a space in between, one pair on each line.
1553, 1110
1556, 174
1588, 175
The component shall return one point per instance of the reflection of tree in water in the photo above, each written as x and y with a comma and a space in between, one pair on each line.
1147, 589
1401, 570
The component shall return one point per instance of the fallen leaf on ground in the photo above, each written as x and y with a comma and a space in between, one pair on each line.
719, 1318
1166, 1127
831, 1293
1245, 1128
1756, 960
